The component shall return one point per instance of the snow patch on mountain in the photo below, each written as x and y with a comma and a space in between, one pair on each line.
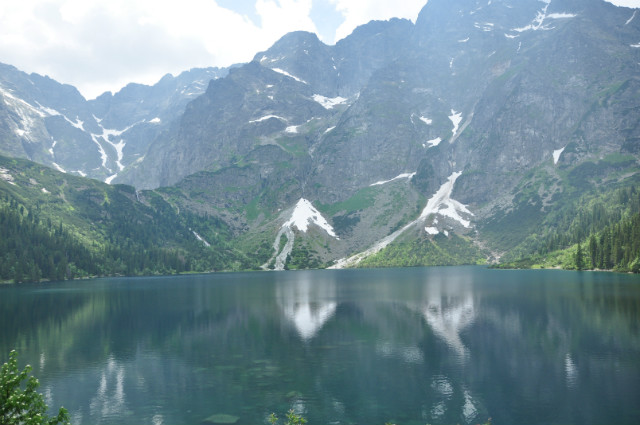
456, 119
119, 151
267, 117
79, 124
53, 145
46, 111
285, 73
200, 238
103, 154
329, 102
27, 113
432, 230
486, 27
556, 155
631, 18
59, 168
281, 257
304, 215
106, 135
426, 120
398, 177
292, 129
538, 22
16, 100
109, 179
561, 15
440, 203
432, 143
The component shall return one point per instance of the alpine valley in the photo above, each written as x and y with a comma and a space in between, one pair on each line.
493, 130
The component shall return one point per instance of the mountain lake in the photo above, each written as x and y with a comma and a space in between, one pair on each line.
440, 345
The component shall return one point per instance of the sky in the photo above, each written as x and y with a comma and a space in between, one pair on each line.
101, 45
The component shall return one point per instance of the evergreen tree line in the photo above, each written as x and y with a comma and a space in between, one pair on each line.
606, 232
32, 249
581, 222
616, 247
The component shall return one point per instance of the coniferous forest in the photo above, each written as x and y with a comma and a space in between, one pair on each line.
600, 234
58, 227
33, 249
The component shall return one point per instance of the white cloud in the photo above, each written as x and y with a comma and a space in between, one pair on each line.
103, 44
358, 12
625, 3
100, 45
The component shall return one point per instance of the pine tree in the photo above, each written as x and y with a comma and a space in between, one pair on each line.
579, 259
593, 251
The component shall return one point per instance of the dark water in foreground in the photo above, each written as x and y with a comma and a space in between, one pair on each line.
412, 346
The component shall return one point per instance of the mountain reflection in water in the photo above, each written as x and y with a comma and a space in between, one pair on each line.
407, 346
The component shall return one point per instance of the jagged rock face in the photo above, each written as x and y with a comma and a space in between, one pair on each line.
568, 87
484, 90
253, 107
490, 89
51, 123
517, 76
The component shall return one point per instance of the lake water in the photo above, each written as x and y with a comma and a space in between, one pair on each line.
450, 345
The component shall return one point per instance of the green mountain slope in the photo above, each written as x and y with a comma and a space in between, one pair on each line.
58, 226
601, 230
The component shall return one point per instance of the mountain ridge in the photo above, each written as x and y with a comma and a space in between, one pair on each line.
530, 105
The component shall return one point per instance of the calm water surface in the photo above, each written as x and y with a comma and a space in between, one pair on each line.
412, 346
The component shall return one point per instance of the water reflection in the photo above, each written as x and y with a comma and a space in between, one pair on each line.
448, 308
571, 370
109, 400
439, 346
307, 305
407, 354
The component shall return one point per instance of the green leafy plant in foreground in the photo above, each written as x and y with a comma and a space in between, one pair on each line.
24, 406
292, 419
